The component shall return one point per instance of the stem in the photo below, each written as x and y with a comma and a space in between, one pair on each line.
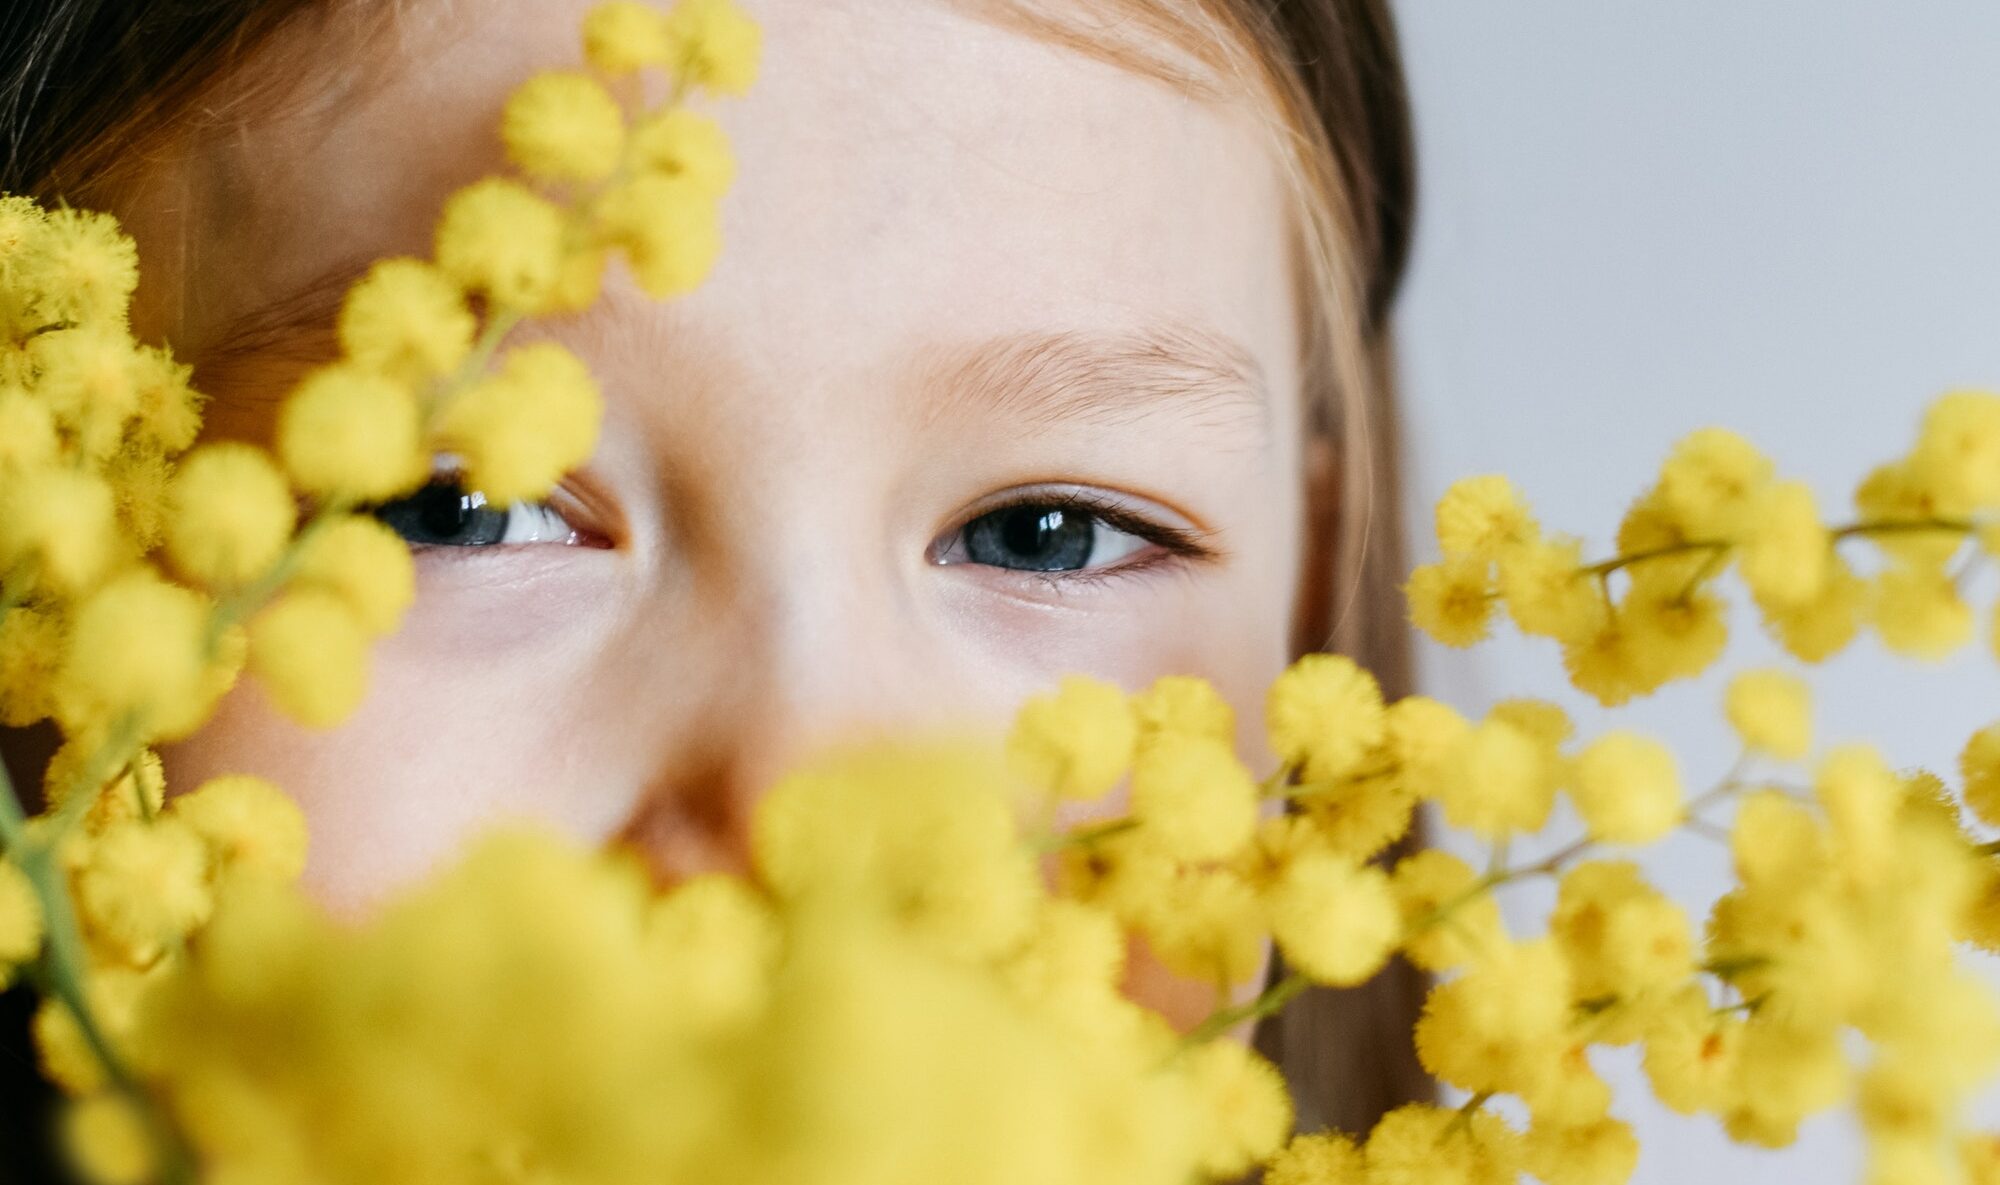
1607, 567
1083, 837
1270, 1001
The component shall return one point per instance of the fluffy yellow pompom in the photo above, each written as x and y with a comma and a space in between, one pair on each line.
1452, 600
1244, 1098
1323, 714
1484, 518
1918, 611
27, 431
61, 520
1185, 705
502, 240
1958, 448
136, 650
520, 430
1979, 766
232, 514
366, 564
1627, 788
249, 825
668, 229
1192, 797
714, 45
684, 144
1337, 921
1320, 1158
31, 652
624, 35
1821, 626
1498, 781
107, 1140
85, 267
406, 319
142, 886
564, 127
1713, 482
1423, 1144
1601, 1153
311, 653
1078, 742
1449, 917
1772, 712
350, 433
1786, 548
1547, 591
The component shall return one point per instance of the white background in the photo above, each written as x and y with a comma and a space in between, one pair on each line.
1638, 219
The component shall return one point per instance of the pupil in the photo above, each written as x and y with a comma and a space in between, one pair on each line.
443, 510
1031, 539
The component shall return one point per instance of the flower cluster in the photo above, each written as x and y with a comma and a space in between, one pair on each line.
920, 976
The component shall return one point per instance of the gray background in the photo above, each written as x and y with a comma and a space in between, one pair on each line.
1638, 219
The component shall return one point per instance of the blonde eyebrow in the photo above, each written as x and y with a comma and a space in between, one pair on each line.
1102, 378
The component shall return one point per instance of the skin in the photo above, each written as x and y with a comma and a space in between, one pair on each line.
924, 200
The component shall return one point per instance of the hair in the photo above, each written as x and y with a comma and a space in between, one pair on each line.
84, 83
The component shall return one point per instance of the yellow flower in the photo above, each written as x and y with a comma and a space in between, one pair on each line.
1323, 714
1786, 547
621, 36
1484, 518
1337, 921
1185, 705
20, 920
136, 650
1192, 798
501, 240
27, 432
1712, 482
1861, 797
1320, 1158
1207, 925
668, 229
1424, 1144
22, 223
310, 652
719, 943
1605, 664
1979, 767
1675, 553
1078, 742
521, 430
232, 515
31, 652
1622, 937
563, 127
1690, 1055
89, 377
1776, 841
407, 320
85, 267
1547, 591
349, 433
1672, 634
1907, 493
1783, 1074
366, 564
168, 410
1448, 918
713, 45
1627, 789
1816, 629
1958, 449
107, 1140
1772, 712
142, 886
61, 520
1601, 1153
1499, 782
1918, 611
1451, 601
1494, 1027
249, 826
140, 479
681, 143
1249, 1114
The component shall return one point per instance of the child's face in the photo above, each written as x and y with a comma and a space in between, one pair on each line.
964, 270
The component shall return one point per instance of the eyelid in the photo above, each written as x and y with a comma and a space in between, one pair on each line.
1113, 510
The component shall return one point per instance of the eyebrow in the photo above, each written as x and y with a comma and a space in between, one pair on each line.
1103, 378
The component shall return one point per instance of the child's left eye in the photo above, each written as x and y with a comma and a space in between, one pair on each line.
443, 514
1040, 537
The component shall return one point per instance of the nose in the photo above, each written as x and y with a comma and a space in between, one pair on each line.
817, 660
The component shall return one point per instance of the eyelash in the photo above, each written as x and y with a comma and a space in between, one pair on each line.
1177, 545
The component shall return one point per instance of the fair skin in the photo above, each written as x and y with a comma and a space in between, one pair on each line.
963, 268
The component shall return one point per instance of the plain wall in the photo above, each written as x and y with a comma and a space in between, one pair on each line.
1639, 219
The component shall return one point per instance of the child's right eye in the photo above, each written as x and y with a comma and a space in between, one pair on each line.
443, 514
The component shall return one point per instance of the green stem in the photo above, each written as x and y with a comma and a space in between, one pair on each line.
1272, 1000
1082, 837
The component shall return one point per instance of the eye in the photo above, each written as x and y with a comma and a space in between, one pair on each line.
443, 514
1052, 534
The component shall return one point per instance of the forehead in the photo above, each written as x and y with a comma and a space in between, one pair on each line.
907, 171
